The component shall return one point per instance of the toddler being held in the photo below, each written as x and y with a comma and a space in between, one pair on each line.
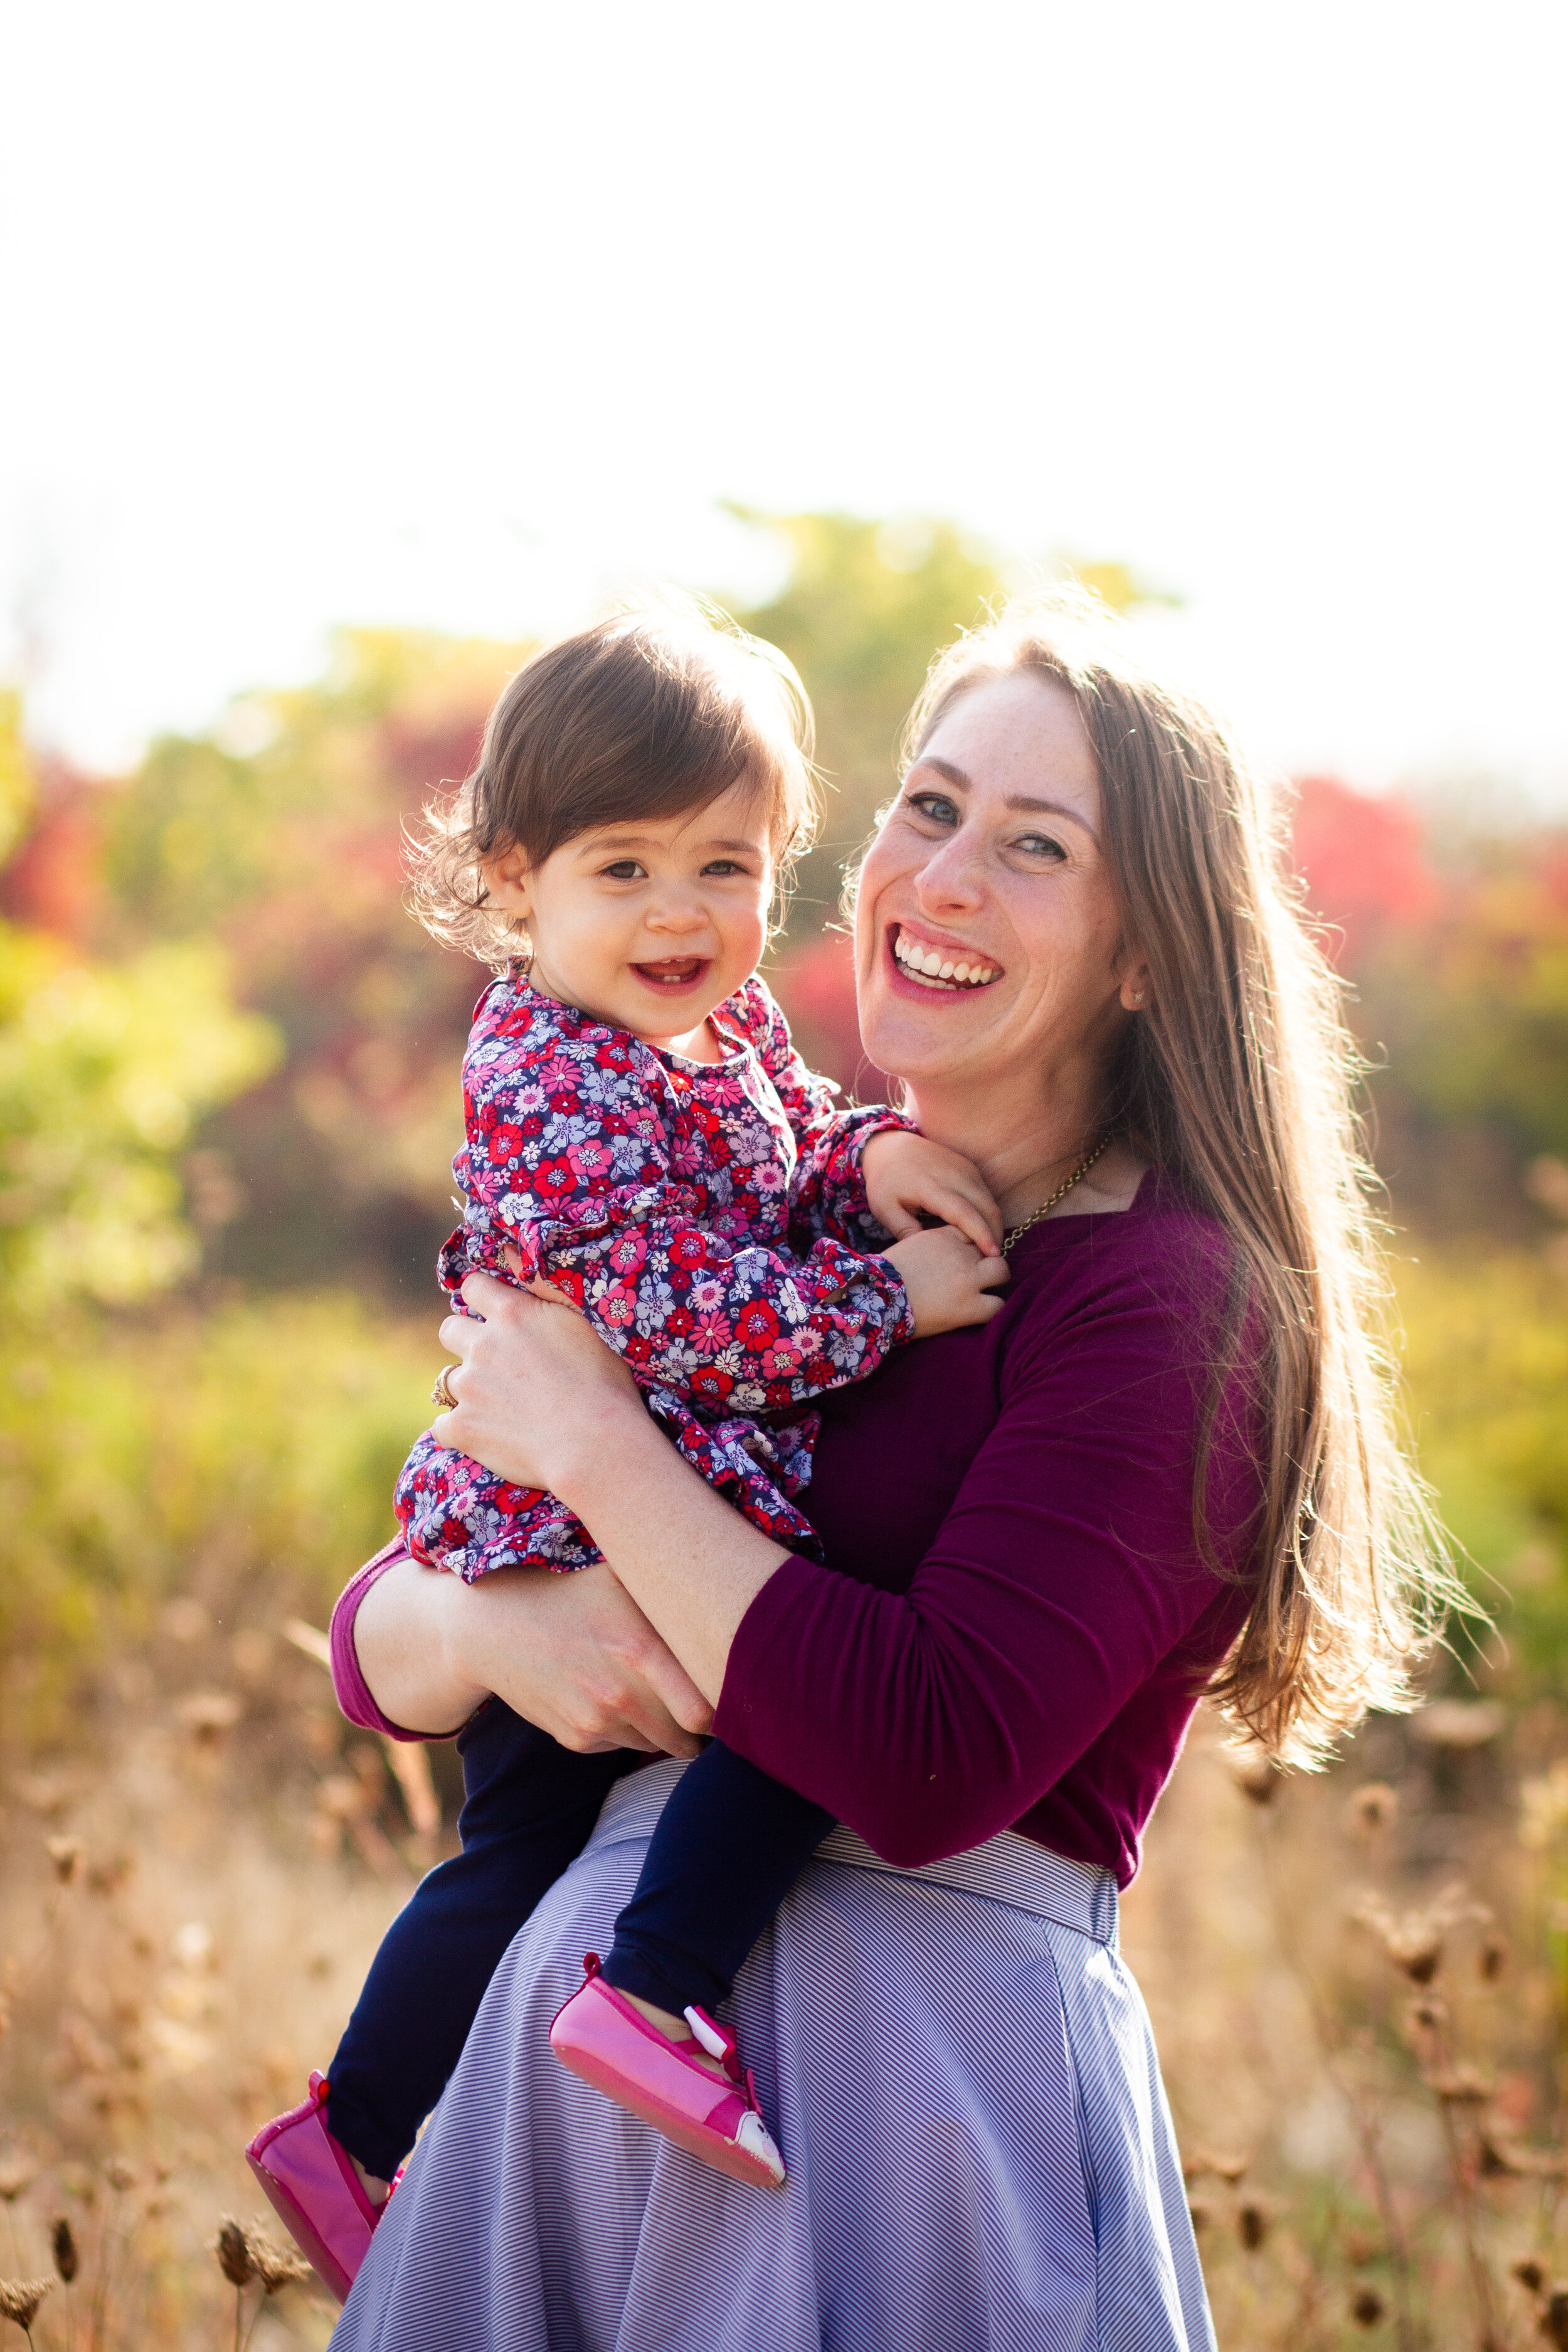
641, 1137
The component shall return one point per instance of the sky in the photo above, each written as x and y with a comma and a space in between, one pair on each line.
466, 317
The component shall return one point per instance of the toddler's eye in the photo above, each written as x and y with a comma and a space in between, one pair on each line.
722, 866
625, 869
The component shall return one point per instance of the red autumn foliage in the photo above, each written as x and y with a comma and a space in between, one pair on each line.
1365, 864
54, 882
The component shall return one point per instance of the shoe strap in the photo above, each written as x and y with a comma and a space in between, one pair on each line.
716, 2039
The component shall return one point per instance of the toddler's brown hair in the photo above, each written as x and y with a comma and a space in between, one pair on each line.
652, 711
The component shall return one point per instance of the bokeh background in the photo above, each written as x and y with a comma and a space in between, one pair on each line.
348, 353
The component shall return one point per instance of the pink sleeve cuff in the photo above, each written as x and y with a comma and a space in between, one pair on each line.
353, 1690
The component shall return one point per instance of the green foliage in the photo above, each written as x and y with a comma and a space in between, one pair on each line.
16, 788
245, 1456
1458, 953
1117, 584
282, 834
1471, 1013
300, 792
104, 1071
1486, 1362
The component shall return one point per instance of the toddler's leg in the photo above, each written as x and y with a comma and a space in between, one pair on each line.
729, 1845
529, 1806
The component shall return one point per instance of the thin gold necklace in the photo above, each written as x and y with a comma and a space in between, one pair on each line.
1078, 1173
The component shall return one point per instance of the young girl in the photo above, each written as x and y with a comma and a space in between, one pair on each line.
643, 1141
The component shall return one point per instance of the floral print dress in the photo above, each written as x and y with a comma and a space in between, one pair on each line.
708, 1219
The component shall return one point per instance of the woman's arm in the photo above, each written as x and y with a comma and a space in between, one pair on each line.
1065, 1572
571, 1653
536, 1379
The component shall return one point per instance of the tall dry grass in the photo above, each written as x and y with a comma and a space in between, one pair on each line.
1357, 1985
188, 1912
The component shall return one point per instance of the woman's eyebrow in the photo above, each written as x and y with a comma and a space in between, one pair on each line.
1013, 801
1050, 808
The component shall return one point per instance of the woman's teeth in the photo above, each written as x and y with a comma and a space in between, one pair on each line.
933, 970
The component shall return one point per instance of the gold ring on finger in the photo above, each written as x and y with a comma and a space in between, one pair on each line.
441, 1393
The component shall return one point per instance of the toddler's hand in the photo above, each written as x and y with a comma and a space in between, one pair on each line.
906, 1172
949, 1283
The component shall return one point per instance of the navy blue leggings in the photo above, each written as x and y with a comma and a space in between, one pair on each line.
729, 1845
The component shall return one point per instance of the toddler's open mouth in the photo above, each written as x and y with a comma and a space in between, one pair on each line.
673, 973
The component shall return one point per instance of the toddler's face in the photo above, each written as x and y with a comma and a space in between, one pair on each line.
651, 923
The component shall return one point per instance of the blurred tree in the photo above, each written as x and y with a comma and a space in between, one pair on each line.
281, 834
104, 1071
1460, 973
1364, 866
1485, 1359
17, 790
1116, 584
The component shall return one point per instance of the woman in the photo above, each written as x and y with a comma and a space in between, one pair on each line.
1165, 1465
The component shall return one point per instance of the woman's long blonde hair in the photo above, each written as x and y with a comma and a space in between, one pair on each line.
1239, 1080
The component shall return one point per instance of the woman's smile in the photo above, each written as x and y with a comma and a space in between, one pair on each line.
943, 965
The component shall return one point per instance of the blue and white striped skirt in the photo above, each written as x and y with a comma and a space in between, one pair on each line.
961, 2074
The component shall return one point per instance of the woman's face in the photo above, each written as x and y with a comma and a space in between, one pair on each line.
987, 930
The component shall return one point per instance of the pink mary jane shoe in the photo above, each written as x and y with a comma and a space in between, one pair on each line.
599, 2036
310, 2179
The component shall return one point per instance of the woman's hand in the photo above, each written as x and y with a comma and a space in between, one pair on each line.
905, 1173
537, 1391
574, 1654
542, 1402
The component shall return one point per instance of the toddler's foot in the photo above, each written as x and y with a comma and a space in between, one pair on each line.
322, 2195
678, 2029
689, 2086
376, 2188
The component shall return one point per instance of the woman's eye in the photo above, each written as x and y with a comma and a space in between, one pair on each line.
1041, 845
934, 806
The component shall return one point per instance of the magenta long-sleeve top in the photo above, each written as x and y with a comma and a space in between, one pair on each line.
1015, 1617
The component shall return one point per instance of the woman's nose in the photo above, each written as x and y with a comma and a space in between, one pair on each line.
951, 877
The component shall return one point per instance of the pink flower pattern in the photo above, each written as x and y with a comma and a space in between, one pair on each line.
710, 1220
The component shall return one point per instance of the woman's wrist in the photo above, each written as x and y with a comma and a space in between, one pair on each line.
460, 1640
616, 1429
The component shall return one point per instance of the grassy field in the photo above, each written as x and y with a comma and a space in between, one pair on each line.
1357, 1980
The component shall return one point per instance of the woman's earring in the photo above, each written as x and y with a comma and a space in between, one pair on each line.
1137, 998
